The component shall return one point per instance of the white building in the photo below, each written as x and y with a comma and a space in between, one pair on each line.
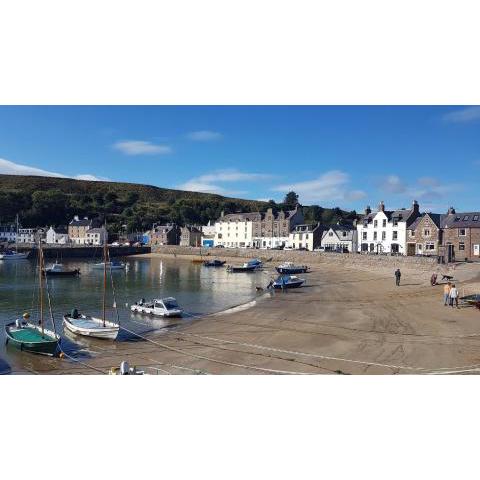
58, 236
26, 235
235, 230
386, 231
306, 237
8, 233
340, 238
96, 236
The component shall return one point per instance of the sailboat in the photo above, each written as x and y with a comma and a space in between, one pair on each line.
96, 327
30, 337
14, 255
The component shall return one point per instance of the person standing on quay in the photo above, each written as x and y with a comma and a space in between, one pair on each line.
454, 296
398, 275
446, 293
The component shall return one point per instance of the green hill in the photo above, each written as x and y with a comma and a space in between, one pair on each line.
54, 201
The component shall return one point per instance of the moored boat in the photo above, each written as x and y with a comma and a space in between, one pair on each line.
9, 255
59, 270
163, 307
115, 265
290, 268
90, 326
287, 281
241, 268
27, 336
214, 263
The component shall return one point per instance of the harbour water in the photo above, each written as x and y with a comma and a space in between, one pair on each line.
198, 290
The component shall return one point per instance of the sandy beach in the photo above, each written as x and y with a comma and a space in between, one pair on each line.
347, 319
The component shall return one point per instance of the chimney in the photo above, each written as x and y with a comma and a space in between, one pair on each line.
381, 206
368, 210
75, 217
451, 211
415, 206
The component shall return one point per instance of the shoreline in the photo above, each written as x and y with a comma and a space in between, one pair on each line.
345, 320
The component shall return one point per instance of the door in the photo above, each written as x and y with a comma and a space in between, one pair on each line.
476, 250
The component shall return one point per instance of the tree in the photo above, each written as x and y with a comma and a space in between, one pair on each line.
291, 199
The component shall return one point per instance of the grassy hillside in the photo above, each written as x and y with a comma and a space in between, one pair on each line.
53, 201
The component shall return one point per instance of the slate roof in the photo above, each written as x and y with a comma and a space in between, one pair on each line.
461, 220
338, 230
84, 222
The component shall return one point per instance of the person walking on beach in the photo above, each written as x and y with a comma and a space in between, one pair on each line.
398, 275
446, 293
454, 296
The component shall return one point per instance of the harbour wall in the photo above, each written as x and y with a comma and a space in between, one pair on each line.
68, 251
300, 257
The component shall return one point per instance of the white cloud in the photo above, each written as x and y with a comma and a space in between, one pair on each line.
392, 184
464, 115
204, 136
209, 182
10, 168
331, 186
140, 147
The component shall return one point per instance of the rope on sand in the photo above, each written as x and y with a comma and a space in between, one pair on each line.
214, 360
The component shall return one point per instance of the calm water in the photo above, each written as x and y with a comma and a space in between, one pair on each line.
198, 290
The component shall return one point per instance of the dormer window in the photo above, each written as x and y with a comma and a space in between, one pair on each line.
395, 222
465, 218
457, 219
375, 224
475, 218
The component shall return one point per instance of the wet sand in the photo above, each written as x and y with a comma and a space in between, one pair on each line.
350, 320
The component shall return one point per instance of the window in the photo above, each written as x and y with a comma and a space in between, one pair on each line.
461, 246
330, 234
457, 219
344, 234
429, 246
465, 218
394, 235
395, 222
475, 218
384, 223
364, 235
384, 235
426, 232
375, 223
374, 235
461, 232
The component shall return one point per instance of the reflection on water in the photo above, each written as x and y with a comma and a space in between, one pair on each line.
199, 291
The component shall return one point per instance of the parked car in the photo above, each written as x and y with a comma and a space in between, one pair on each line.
115, 244
219, 246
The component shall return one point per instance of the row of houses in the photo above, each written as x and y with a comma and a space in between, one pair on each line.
78, 232
453, 236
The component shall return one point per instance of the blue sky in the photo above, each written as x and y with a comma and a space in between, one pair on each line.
332, 156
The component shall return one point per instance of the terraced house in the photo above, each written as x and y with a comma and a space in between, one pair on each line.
425, 235
385, 231
461, 236
341, 238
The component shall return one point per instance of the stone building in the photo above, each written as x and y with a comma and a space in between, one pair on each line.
461, 236
307, 236
190, 236
165, 235
77, 230
272, 230
425, 235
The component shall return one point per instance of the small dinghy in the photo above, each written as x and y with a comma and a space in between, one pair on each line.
110, 265
214, 263
287, 281
164, 307
90, 326
289, 268
97, 327
9, 255
249, 266
29, 337
59, 270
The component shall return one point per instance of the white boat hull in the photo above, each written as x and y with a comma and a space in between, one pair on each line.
15, 256
156, 311
91, 327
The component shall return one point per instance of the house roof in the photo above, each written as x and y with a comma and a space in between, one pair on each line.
191, 229
96, 230
84, 222
338, 231
307, 227
461, 220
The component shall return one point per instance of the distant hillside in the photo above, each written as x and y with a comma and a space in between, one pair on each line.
53, 201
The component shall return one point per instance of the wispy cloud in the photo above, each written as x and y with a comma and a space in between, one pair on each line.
8, 167
392, 184
208, 182
204, 136
331, 186
140, 147
464, 115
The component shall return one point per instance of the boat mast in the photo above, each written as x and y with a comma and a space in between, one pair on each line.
16, 236
40, 271
104, 276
